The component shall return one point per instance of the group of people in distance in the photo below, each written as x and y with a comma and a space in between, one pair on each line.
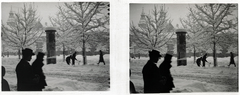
204, 59
156, 79
73, 58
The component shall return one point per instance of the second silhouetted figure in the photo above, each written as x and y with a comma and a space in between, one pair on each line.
165, 73
37, 68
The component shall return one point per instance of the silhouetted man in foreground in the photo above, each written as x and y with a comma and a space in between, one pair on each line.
26, 79
5, 85
232, 59
37, 68
165, 73
151, 73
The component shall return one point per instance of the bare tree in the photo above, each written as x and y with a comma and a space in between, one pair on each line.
24, 30
214, 19
64, 35
194, 36
98, 38
227, 39
155, 32
83, 17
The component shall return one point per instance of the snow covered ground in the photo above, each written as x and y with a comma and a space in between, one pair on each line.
192, 78
62, 77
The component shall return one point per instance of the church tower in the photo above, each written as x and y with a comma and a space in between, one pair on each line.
142, 22
11, 18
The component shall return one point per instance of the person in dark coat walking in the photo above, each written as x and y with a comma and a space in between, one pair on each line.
151, 74
37, 68
5, 85
165, 73
204, 59
101, 57
73, 57
26, 79
198, 61
232, 59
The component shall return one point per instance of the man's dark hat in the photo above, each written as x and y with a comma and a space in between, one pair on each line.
27, 51
155, 53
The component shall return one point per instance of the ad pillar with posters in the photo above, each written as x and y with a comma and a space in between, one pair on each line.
181, 47
51, 45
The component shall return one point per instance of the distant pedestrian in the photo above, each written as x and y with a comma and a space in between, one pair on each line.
151, 74
5, 85
37, 68
26, 79
101, 57
166, 74
198, 61
204, 59
232, 59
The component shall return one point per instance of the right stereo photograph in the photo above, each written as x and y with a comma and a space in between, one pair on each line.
183, 48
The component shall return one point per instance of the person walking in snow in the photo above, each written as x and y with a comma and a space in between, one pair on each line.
101, 57
232, 59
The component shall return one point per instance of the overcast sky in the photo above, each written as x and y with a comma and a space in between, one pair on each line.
175, 11
44, 10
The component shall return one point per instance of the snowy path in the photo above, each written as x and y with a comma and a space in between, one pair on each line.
191, 78
63, 77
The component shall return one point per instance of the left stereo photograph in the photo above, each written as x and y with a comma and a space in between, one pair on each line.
55, 46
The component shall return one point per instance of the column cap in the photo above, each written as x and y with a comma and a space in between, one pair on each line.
50, 28
181, 31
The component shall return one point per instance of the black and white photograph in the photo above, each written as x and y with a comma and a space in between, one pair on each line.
55, 46
183, 47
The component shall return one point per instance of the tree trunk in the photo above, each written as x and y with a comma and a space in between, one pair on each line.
194, 54
84, 52
19, 55
214, 54
63, 52
7, 53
